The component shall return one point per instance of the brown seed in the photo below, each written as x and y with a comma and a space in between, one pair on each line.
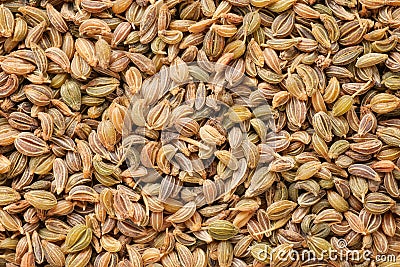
384, 103
112, 111
41, 199
86, 50
59, 57
307, 170
8, 195
364, 171
378, 203
337, 201
56, 18
370, 59
35, 34
280, 209
53, 254
183, 213
30, 145
142, 62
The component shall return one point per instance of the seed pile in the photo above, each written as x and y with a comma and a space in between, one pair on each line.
198, 133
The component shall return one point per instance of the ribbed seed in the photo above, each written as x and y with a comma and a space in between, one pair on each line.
347, 55
307, 170
183, 214
78, 238
321, 35
8, 195
222, 230
280, 209
370, 59
41, 199
53, 254
384, 103
378, 203
364, 171
56, 18
337, 201
30, 145
342, 105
